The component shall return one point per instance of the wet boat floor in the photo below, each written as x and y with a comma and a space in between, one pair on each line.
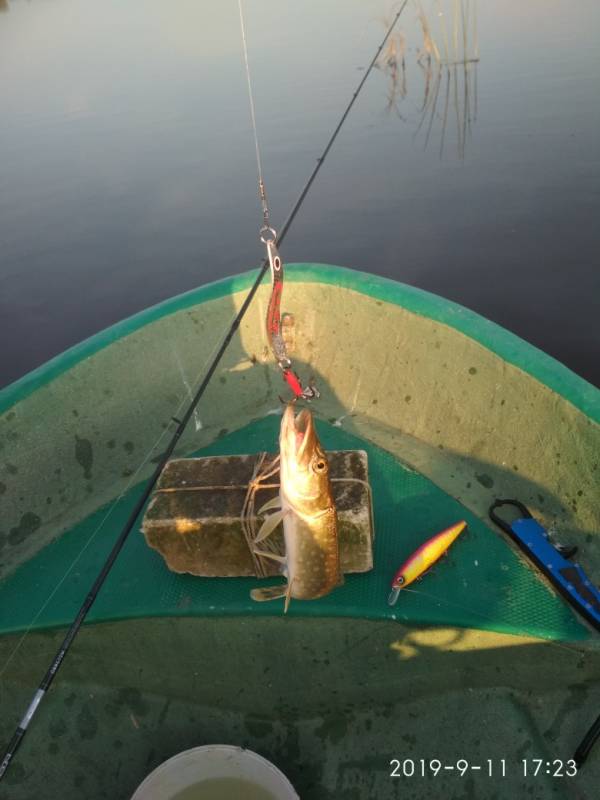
482, 583
101, 742
334, 692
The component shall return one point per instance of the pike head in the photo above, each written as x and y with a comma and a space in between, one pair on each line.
303, 466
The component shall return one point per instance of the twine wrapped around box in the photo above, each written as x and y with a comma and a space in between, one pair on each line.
195, 517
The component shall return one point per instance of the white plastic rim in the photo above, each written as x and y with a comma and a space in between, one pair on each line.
213, 761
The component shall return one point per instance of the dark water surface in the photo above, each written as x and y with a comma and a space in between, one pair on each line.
127, 167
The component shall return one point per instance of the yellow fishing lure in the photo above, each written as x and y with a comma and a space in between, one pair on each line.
426, 555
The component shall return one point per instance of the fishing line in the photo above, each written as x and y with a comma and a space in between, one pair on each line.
115, 502
117, 547
250, 96
321, 159
108, 564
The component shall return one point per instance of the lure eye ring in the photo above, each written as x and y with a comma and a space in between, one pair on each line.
399, 581
267, 234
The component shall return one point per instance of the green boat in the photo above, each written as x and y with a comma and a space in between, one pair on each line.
481, 683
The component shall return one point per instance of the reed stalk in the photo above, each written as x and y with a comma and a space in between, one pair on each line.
442, 18
464, 17
455, 29
429, 44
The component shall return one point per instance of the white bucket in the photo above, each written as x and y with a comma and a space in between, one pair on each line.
208, 763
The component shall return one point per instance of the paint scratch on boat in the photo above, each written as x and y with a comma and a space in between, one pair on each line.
338, 422
197, 420
242, 366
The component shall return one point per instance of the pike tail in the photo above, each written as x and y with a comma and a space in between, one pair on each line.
269, 592
274, 593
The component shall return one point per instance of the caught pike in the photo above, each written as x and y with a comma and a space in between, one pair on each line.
426, 555
305, 505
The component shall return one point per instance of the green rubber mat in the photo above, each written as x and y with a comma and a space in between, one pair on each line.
482, 583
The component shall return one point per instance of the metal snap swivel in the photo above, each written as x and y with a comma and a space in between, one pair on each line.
270, 239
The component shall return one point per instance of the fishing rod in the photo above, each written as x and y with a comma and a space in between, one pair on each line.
585, 746
91, 596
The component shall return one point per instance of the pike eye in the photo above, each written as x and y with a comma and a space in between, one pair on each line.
320, 465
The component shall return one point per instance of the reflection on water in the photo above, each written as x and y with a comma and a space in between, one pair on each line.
470, 165
450, 68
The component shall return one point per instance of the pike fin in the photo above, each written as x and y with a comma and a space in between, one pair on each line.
270, 505
269, 592
288, 596
269, 525
274, 556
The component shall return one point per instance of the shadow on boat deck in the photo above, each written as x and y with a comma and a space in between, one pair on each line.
331, 702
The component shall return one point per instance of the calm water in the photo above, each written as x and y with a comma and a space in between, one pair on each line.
127, 167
